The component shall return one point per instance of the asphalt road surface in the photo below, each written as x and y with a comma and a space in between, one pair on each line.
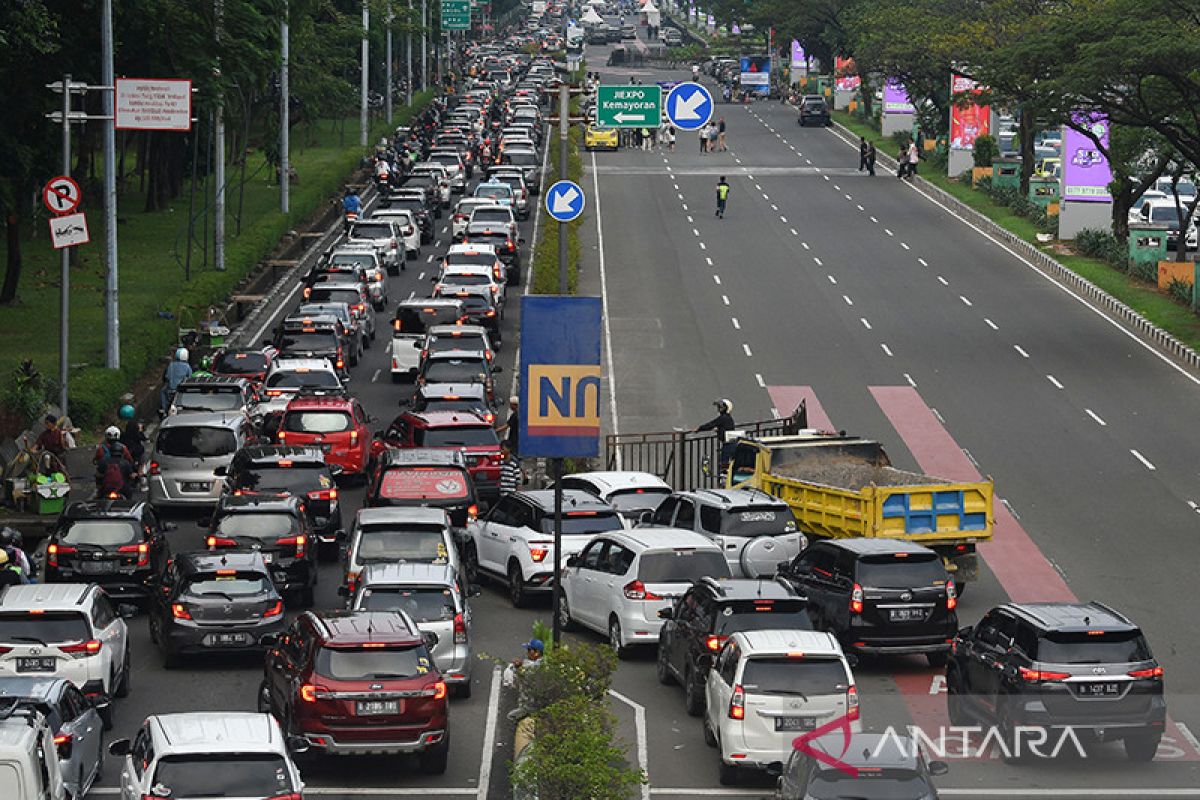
896, 321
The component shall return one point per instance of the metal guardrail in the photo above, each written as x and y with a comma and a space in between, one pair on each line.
687, 459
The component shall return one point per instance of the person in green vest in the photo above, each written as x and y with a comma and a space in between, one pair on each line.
722, 196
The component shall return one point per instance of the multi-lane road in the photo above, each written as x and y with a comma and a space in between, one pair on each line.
895, 320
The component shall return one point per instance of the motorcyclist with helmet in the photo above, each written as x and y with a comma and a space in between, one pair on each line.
115, 467
12, 542
723, 424
351, 207
178, 371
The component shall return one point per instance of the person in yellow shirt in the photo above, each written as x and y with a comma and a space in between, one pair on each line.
722, 196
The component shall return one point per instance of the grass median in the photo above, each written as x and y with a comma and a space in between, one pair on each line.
1143, 297
157, 296
544, 273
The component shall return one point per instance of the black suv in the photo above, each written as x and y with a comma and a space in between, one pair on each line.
1058, 665
119, 544
709, 613
813, 111
277, 470
214, 602
480, 309
315, 337
878, 596
276, 527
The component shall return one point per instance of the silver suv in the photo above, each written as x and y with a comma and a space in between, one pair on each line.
187, 452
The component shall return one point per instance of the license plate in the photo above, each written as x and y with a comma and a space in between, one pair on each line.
1099, 689
795, 723
226, 639
367, 708
906, 614
44, 664
196, 486
97, 567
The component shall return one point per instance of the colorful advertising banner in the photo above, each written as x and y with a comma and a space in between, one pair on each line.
895, 98
846, 75
967, 122
799, 60
756, 74
1086, 173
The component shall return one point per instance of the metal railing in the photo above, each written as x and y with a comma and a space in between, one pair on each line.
685, 459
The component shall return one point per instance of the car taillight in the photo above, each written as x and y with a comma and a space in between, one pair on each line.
460, 217
951, 596
472, 512
307, 291
439, 690
179, 611
538, 554
460, 629
351, 581
360, 308
53, 551
64, 742
636, 590
270, 393
298, 542
287, 796
737, 703
340, 364
856, 600
142, 550
275, 610
1041, 675
311, 692
323, 494
491, 312
714, 642
82, 649
852, 703
154, 468
219, 541
1150, 672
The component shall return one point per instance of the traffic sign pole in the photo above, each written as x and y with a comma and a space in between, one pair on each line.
64, 298
112, 318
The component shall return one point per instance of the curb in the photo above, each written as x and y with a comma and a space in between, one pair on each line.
1150, 333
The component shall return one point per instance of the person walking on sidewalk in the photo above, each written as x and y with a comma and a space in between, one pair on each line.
902, 162
712, 137
647, 139
862, 153
704, 139
721, 135
914, 156
671, 138
722, 196
871, 154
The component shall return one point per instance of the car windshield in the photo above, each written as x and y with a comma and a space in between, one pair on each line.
1164, 214
48, 627
309, 379
454, 370
446, 159
368, 230
763, 615
257, 526
351, 259
241, 364
425, 544
424, 483
583, 522
196, 441
412, 203
356, 664
1088, 647
336, 294
299, 479
873, 783
208, 399
317, 422
784, 675
308, 342
339, 310
238, 584
468, 341
911, 571
492, 215
424, 604
337, 276
494, 191
638, 499
522, 159
757, 521
222, 775
456, 436
682, 566
474, 259
101, 532
475, 406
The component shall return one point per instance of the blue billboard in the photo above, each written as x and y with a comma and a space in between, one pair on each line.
560, 377
756, 74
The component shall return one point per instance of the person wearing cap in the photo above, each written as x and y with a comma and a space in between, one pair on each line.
722, 423
534, 650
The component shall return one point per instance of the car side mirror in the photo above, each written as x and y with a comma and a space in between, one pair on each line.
704, 661
783, 567
666, 613
65, 746
852, 659
572, 561
938, 768
120, 747
965, 633
645, 518
431, 639
221, 472
127, 610
520, 241
297, 744
336, 470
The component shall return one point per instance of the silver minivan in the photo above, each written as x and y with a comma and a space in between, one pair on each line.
398, 535
433, 597
188, 450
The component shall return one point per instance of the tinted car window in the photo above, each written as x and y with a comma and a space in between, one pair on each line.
317, 422
292, 480
488, 215
222, 775
348, 295
52, 626
454, 370
792, 675
779, 615
315, 379
257, 526
202, 400
241, 363
348, 664
360, 259
680, 567
889, 572
309, 341
757, 521
429, 604
411, 544
242, 584
523, 159
877, 784
196, 441
371, 231
637, 499
100, 532
589, 522
459, 436
479, 259
1085, 648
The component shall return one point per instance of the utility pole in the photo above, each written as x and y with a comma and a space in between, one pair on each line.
219, 155
284, 113
112, 330
408, 89
366, 74
388, 70
64, 295
564, 132
424, 45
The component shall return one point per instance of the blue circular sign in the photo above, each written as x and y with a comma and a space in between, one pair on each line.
689, 106
564, 201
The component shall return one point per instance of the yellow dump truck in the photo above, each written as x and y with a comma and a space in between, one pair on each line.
844, 487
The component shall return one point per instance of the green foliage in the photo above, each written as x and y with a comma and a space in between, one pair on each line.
1180, 291
24, 394
985, 151
568, 670
1144, 271
1104, 246
544, 265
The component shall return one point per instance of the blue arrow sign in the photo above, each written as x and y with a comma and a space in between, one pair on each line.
689, 106
564, 201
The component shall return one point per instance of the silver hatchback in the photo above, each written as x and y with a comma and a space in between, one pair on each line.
187, 452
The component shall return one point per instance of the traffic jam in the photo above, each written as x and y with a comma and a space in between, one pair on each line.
325, 522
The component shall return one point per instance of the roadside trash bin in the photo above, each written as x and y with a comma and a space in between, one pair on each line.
50, 493
1147, 243
1006, 173
1043, 191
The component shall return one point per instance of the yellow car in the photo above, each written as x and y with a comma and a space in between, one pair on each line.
1048, 168
596, 137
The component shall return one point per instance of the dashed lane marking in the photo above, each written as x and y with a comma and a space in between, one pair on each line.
1020, 350
1144, 460
865, 323
736, 325
746, 347
887, 350
1096, 417
1054, 380
991, 324
966, 302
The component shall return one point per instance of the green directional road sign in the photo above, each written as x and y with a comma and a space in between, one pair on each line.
456, 15
629, 106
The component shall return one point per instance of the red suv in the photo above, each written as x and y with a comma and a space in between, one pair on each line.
357, 683
338, 425
465, 431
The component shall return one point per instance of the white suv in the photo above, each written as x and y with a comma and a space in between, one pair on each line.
67, 630
405, 535
29, 767
621, 580
208, 754
514, 541
409, 229
768, 687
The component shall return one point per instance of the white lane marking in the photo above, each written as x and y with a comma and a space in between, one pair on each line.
837, 188
846, 297
804, 245
851, 199
773, 206
680, 196
807, 161
702, 247
1054, 380
922, 262
825, 176
938, 684
818, 261
1096, 417
905, 245
689, 218
429, 259
746, 347
375, 377
1143, 459
888, 232
709, 260
696, 232
991, 324
783, 219
738, 160
737, 325
832, 279
943, 280
866, 324
794, 232
1010, 508
874, 220
421, 277
717, 278
966, 302
970, 457
910, 380
612, 375
1020, 350
758, 377
489, 735
886, 349
639, 723
756, 186
1187, 734
685, 208
725, 298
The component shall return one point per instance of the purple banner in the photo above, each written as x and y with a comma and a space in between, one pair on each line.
895, 98
799, 60
1086, 173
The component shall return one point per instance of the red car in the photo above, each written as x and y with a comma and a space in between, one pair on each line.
249, 364
358, 682
338, 425
464, 431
